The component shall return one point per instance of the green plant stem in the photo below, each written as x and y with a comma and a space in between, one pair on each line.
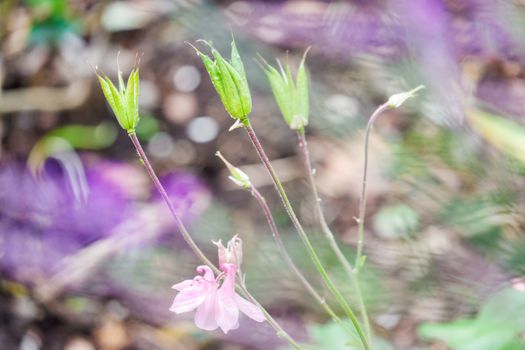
302, 234
362, 198
189, 240
284, 253
303, 147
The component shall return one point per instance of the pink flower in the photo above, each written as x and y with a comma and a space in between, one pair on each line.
216, 306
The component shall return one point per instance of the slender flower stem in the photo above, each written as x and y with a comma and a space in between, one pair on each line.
295, 221
189, 240
284, 253
362, 198
180, 225
303, 147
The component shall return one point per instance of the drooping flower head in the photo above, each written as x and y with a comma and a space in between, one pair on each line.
215, 299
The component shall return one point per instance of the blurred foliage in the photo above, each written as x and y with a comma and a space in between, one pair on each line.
148, 127
496, 327
71, 137
502, 133
446, 211
396, 221
52, 20
331, 336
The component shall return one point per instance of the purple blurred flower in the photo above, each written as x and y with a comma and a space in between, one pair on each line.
383, 28
47, 218
42, 220
189, 194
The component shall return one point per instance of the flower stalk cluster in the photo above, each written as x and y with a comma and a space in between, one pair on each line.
214, 309
215, 298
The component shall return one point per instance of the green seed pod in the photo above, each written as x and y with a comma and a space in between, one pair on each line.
124, 100
229, 79
291, 96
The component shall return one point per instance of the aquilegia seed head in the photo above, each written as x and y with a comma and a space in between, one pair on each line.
291, 96
229, 79
124, 100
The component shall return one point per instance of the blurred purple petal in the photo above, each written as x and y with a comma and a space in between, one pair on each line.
189, 194
42, 221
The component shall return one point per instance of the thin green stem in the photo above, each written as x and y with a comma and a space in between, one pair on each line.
302, 234
362, 198
287, 258
303, 147
189, 240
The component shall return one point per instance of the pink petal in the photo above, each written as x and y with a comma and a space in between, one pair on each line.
207, 273
205, 317
249, 309
227, 311
180, 286
188, 299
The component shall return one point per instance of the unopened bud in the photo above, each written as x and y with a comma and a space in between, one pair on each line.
398, 99
237, 176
